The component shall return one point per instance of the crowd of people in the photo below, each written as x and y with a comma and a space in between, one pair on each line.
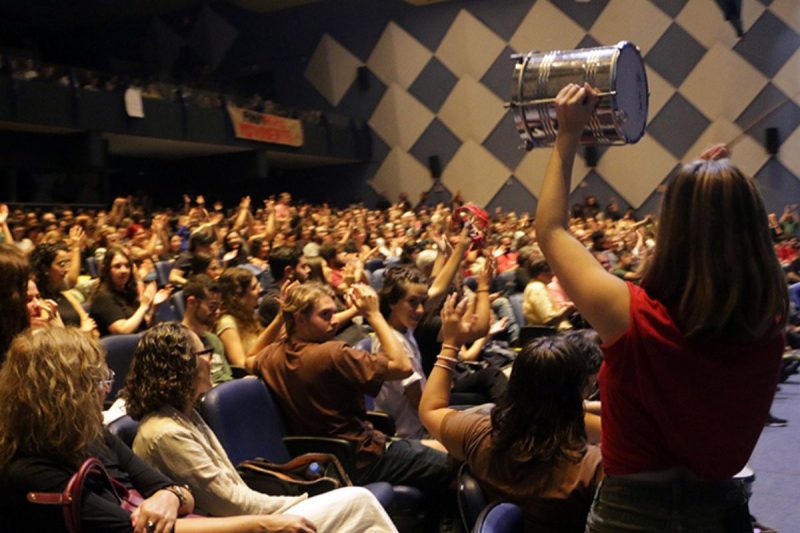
429, 311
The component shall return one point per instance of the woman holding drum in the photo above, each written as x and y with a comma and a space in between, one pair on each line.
690, 356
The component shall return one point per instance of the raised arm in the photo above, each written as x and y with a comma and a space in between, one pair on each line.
366, 300
77, 241
601, 297
444, 278
436, 397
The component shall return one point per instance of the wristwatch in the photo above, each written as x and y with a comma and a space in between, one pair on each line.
179, 491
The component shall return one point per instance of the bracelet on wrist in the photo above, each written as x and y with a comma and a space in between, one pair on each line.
449, 347
481, 290
180, 492
447, 358
444, 366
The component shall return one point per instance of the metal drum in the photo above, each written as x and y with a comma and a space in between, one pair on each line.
616, 71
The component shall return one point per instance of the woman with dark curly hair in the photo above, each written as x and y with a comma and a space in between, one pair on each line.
237, 325
532, 450
171, 369
120, 306
51, 265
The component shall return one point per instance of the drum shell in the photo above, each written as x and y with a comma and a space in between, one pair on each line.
540, 76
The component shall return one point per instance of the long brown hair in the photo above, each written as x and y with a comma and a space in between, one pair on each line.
714, 264
539, 418
50, 403
233, 285
129, 291
14, 273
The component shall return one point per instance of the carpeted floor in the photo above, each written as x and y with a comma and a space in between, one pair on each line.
777, 486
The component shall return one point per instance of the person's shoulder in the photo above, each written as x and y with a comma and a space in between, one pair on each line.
467, 423
226, 321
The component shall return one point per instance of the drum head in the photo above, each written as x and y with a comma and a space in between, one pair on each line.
632, 93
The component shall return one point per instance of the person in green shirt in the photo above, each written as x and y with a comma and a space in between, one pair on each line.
202, 300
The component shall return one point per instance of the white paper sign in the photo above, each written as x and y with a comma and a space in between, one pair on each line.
133, 102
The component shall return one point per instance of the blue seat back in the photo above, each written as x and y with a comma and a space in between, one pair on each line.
179, 304
471, 499
376, 279
163, 268
125, 428
500, 517
246, 420
119, 350
91, 266
166, 312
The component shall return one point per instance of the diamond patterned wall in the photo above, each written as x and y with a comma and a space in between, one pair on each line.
438, 76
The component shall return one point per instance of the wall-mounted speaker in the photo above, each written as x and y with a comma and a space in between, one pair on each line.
435, 165
772, 141
362, 78
590, 155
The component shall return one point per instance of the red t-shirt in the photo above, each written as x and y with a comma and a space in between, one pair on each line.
669, 402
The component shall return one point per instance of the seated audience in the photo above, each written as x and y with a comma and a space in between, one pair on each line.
60, 374
320, 385
119, 307
237, 325
169, 373
13, 295
532, 450
52, 266
202, 300
537, 304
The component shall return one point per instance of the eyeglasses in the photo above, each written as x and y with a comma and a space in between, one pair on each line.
106, 384
208, 352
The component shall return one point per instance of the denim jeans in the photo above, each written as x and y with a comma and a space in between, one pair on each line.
623, 504
409, 462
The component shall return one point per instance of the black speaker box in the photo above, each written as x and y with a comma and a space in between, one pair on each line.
435, 165
590, 155
362, 78
772, 141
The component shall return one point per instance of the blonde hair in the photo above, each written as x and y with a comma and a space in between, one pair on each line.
714, 263
301, 300
50, 403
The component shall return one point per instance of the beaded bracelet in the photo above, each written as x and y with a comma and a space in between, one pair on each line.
442, 365
449, 347
447, 358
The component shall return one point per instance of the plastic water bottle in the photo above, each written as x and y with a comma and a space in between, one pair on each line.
314, 471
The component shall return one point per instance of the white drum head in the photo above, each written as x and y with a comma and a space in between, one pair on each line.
630, 82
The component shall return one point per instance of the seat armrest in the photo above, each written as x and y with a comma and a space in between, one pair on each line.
344, 450
383, 422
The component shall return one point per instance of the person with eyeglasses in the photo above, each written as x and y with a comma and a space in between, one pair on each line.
52, 387
202, 300
170, 371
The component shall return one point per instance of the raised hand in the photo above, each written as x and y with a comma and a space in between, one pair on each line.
364, 298
77, 237
456, 322
148, 294
574, 106
716, 152
162, 295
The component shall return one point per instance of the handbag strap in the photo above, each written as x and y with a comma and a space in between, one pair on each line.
72, 496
